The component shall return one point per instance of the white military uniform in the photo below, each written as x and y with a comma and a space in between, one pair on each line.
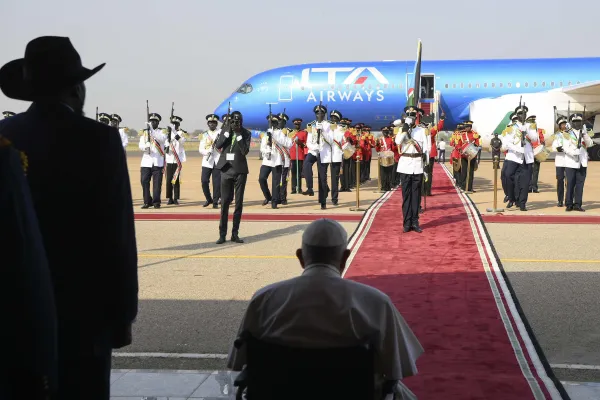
152, 165
575, 161
173, 168
559, 164
320, 151
210, 158
411, 166
273, 165
519, 162
178, 145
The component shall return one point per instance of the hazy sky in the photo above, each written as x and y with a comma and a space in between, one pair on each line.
196, 52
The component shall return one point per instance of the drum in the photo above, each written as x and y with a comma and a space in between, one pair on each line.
471, 151
386, 158
349, 152
541, 153
456, 164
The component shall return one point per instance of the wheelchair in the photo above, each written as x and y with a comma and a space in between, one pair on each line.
275, 371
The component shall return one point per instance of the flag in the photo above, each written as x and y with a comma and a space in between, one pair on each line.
414, 94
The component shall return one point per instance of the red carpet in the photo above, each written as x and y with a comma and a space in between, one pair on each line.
542, 219
438, 282
274, 217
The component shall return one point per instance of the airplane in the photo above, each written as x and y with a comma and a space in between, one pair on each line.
375, 92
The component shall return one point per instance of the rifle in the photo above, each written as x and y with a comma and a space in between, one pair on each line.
96, 113
269, 134
148, 128
170, 129
319, 129
581, 133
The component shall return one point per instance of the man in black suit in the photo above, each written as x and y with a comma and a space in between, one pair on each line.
234, 143
91, 251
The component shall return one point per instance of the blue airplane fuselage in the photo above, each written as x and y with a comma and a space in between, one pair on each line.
375, 93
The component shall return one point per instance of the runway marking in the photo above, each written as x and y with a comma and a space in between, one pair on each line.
171, 355
211, 256
576, 366
522, 260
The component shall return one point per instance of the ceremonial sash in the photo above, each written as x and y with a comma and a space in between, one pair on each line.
157, 146
338, 144
287, 153
280, 151
178, 161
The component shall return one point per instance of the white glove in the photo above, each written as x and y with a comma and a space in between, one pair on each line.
226, 134
319, 125
239, 138
296, 140
398, 122
173, 128
147, 145
408, 120
148, 123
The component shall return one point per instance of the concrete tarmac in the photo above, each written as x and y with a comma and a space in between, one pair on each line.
193, 292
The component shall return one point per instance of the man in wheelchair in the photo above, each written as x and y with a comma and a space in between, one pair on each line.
319, 336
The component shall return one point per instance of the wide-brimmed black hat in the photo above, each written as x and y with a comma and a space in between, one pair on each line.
51, 63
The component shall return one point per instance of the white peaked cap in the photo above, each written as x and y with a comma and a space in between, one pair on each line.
325, 233
398, 122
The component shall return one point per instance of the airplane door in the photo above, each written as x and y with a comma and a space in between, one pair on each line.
285, 87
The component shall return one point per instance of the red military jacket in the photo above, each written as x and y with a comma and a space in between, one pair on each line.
390, 145
367, 143
302, 137
468, 137
433, 133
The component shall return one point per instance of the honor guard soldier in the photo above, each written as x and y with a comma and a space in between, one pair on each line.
432, 157
574, 144
331, 154
283, 119
115, 120
8, 114
347, 145
104, 118
297, 155
559, 160
414, 146
533, 184
503, 179
271, 147
469, 136
315, 131
175, 157
152, 142
519, 159
210, 158
386, 143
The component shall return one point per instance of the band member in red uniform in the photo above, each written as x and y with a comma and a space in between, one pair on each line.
433, 155
386, 143
467, 137
297, 154
455, 142
535, 171
367, 144
357, 157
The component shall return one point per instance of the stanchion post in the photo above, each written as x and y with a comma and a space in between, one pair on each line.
378, 176
357, 208
496, 159
467, 191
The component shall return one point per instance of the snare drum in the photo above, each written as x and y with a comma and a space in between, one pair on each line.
470, 151
541, 153
349, 151
386, 158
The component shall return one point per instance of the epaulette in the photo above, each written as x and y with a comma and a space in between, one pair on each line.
566, 135
475, 135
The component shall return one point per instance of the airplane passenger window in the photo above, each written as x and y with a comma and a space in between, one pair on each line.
462, 85
245, 88
578, 82
570, 83
501, 84
509, 84
469, 86
552, 84
477, 85
446, 86
485, 85
526, 84
493, 84
454, 86
543, 84
560, 84
534, 84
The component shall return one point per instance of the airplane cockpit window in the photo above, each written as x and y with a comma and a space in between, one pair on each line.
245, 88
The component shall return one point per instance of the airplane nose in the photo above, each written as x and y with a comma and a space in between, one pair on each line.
222, 108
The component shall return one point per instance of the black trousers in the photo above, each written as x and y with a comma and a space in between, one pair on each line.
535, 173
464, 167
215, 174
575, 183
387, 177
411, 198
335, 182
503, 178
364, 172
230, 182
84, 375
156, 174
309, 161
560, 184
353, 174
275, 173
522, 179
429, 169
397, 175
442, 156
284, 184
346, 176
172, 189
296, 168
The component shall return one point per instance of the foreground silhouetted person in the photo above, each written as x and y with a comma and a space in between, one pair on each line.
84, 212
28, 368
320, 309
